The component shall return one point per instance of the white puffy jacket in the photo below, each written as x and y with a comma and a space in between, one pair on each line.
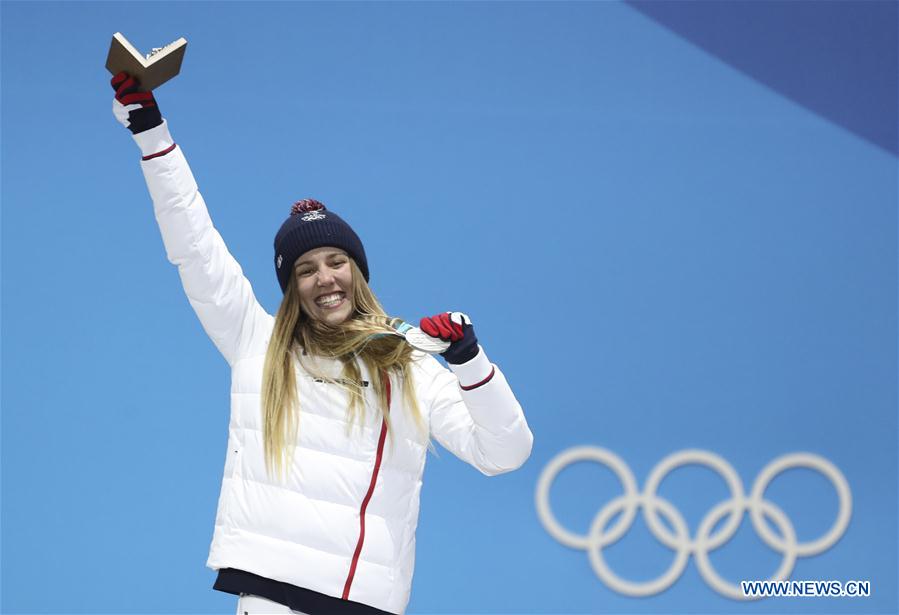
343, 523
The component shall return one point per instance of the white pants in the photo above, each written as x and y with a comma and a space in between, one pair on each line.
249, 604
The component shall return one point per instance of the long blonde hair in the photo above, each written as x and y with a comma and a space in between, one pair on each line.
296, 334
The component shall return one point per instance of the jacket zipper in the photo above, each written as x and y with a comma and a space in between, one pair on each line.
371, 488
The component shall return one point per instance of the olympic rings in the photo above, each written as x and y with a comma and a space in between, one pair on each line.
597, 537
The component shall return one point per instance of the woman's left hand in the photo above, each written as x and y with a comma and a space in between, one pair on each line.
453, 327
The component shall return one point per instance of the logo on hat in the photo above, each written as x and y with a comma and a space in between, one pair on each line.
313, 215
280, 258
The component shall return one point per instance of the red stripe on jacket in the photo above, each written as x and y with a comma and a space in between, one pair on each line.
162, 153
371, 489
481, 383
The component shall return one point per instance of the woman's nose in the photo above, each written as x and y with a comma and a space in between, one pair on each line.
325, 277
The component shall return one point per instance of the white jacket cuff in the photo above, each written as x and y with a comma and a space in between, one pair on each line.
474, 371
155, 140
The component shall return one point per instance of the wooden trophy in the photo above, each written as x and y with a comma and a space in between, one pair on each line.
152, 70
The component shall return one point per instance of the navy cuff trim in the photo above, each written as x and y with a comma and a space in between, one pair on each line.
162, 153
482, 382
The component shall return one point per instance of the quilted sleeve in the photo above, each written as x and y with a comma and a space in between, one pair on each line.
475, 416
214, 282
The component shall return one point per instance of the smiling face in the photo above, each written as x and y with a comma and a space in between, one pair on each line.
325, 284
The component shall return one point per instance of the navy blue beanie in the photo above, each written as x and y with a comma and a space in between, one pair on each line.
311, 226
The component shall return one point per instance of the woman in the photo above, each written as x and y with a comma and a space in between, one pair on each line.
331, 412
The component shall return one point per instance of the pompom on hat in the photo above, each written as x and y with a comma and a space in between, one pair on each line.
309, 226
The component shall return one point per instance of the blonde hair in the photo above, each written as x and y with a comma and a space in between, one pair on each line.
296, 334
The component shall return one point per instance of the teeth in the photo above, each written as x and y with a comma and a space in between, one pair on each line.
330, 299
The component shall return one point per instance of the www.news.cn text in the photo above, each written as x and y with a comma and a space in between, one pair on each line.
815, 589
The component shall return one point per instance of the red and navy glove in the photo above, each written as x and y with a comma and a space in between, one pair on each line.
137, 111
454, 327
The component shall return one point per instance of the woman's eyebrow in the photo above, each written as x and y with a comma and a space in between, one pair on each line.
332, 255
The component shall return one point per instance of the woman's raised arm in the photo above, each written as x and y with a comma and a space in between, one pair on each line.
220, 294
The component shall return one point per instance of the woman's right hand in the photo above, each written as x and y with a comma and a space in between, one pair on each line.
137, 111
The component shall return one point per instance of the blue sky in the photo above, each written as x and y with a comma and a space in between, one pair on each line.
660, 249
